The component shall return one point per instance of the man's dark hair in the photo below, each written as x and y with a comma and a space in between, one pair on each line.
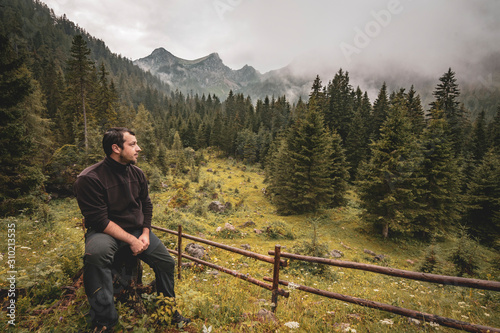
114, 136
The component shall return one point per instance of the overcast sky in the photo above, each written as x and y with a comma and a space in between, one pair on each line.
428, 35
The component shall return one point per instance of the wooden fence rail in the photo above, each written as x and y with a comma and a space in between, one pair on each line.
239, 275
278, 262
434, 278
223, 246
394, 309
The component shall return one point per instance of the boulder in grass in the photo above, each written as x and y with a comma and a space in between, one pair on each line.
336, 254
196, 250
217, 207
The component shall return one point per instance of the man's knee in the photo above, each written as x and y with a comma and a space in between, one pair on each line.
100, 249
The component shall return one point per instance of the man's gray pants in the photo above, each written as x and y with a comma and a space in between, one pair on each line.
100, 250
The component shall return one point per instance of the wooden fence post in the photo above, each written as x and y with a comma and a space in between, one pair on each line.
276, 276
179, 250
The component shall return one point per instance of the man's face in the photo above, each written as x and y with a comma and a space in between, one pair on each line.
130, 150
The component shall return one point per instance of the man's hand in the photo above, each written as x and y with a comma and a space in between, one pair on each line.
144, 238
137, 246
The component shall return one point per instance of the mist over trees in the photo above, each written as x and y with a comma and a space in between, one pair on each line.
418, 170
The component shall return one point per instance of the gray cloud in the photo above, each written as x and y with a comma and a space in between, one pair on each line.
427, 36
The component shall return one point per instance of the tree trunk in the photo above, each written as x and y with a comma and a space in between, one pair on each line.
385, 230
82, 91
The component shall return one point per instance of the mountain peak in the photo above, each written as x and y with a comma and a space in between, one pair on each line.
159, 50
215, 55
208, 75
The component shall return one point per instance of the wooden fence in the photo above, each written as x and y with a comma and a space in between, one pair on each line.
278, 262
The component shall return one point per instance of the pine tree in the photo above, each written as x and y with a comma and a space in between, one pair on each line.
339, 97
144, 129
338, 170
440, 194
177, 152
483, 200
80, 78
300, 170
494, 132
24, 137
446, 95
479, 138
380, 111
446, 99
388, 183
357, 142
415, 111
107, 101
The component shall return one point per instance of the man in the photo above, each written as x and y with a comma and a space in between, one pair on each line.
114, 200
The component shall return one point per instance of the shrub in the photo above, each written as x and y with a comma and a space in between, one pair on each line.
464, 255
279, 230
431, 261
312, 248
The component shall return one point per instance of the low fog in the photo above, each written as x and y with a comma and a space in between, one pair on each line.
399, 41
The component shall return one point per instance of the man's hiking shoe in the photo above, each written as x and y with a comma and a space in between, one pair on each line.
177, 318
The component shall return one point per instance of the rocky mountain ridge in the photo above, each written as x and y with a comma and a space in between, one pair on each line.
209, 75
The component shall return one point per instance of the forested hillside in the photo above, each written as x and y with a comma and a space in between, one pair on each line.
419, 170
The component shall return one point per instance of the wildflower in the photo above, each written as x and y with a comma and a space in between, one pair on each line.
207, 330
433, 324
461, 304
292, 286
486, 314
292, 324
387, 321
375, 289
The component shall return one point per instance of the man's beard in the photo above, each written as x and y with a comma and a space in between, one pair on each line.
123, 160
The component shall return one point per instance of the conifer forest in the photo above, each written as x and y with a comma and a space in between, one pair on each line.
418, 171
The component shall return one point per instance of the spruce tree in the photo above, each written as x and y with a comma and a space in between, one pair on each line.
494, 132
338, 170
388, 184
415, 111
440, 194
357, 142
107, 101
339, 110
300, 171
446, 96
380, 111
24, 136
483, 200
144, 129
80, 79
479, 138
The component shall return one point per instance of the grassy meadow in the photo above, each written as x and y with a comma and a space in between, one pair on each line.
48, 254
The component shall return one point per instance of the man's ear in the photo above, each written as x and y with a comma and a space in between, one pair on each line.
115, 148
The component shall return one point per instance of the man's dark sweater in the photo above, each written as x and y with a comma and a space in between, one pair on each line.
111, 191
